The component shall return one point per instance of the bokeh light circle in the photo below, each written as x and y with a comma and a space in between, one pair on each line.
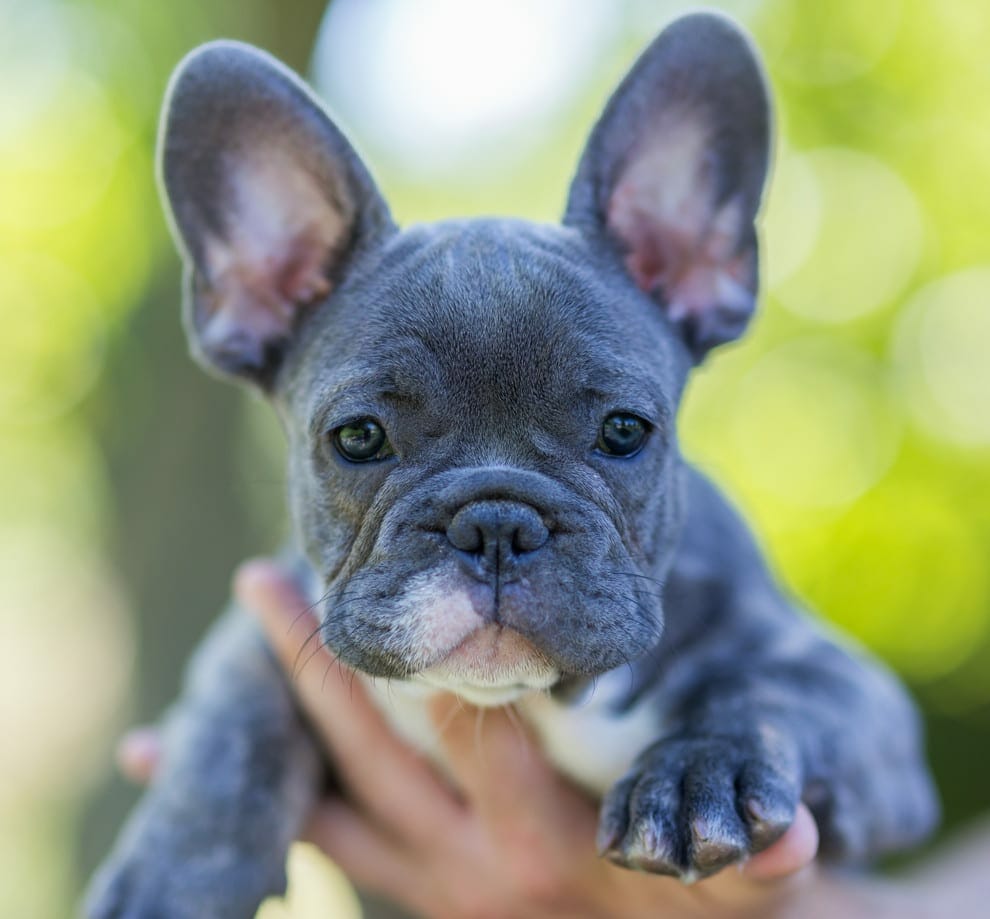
823, 44
54, 338
942, 352
75, 668
791, 218
904, 571
870, 235
44, 181
811, 425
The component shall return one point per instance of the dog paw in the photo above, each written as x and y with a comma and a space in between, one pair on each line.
692, 805
158, 886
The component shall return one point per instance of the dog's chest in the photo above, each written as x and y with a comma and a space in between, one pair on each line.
590, 741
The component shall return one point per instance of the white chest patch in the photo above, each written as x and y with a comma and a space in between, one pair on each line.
587, 740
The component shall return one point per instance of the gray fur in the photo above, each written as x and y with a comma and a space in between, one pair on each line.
490, 351
240, 772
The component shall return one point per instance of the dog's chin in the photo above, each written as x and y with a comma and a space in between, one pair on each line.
492, 665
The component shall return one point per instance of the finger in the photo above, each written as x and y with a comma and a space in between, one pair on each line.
290, 620
367, 855
138, 754
382, 773
505, 777
795, 850
769, 879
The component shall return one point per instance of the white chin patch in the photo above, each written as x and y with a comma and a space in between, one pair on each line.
435, 616
456, 650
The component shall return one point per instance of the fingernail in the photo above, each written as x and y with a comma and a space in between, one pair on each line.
262, 587
250, 576
139, 752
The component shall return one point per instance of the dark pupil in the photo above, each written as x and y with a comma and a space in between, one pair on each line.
361, 440
622, 434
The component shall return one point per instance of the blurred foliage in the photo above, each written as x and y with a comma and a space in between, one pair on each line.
851, 425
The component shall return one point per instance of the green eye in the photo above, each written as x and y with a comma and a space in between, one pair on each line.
622, 435
362, 440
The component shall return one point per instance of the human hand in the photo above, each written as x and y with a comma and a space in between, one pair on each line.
509, 837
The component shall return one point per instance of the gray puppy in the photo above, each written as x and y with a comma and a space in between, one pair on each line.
486, 485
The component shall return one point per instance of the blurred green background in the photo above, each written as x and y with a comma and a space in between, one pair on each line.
852, 425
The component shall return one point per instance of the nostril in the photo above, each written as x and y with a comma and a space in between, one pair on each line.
529, 534
465, 534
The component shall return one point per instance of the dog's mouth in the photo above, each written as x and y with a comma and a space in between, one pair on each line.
491, 665
489, 640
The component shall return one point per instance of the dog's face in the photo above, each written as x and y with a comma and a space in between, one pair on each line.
477, 439
483, 465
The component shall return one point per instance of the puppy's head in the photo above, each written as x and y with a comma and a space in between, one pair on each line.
480, 414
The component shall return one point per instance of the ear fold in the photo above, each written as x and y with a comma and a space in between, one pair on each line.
268, 201
673, 173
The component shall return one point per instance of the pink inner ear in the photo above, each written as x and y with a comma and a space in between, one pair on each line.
251, 304
675, 243
281, 234
301, 278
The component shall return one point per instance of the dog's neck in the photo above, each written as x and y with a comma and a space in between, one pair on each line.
591, 735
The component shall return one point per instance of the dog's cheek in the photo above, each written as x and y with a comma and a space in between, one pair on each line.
654, 502
584, 617
325, 517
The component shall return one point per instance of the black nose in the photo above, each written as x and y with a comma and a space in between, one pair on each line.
492, 536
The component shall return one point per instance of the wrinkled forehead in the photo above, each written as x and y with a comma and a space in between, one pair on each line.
500, 316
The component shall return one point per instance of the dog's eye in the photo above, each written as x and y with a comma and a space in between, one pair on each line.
622, 434
362, 440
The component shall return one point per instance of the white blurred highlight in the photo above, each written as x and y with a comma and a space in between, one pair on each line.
436, 83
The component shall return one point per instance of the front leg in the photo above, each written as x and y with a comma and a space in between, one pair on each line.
239, 771
785, 716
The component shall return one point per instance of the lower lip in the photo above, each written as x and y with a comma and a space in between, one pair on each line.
492, 646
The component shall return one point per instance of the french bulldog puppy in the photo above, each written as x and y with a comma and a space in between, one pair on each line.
486, 487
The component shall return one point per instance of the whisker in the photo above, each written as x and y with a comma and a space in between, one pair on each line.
516, 722
296, 668
306, 610
448, 719
340, 675
632, 676
326, 673
645, 577
478, 721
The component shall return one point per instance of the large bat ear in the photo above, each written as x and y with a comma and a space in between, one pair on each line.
672, 176
269, 204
